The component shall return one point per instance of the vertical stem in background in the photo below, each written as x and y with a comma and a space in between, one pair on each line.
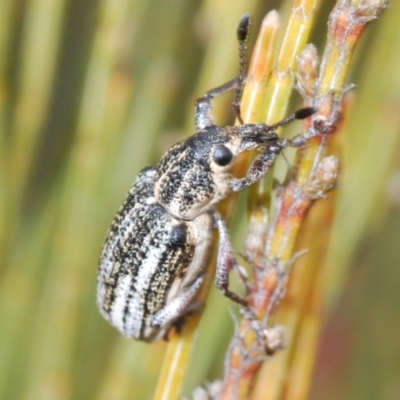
42, 31
6, 21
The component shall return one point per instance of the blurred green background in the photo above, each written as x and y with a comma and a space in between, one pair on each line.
91, 92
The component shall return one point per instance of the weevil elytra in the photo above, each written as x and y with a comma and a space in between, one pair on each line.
154, 256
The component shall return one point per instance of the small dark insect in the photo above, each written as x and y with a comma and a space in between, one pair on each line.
153, 260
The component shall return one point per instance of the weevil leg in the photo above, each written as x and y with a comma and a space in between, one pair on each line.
258, 168
225, 262
179, 306
203, 107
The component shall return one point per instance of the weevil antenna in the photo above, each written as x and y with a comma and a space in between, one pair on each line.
242, 35
302, 113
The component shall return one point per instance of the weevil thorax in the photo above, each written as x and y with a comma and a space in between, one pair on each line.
196, 173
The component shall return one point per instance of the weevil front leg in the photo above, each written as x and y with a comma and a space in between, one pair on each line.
203, 106
225, 262
179, 306
258, 168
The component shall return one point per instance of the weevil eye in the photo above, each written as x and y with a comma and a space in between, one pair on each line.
222, 155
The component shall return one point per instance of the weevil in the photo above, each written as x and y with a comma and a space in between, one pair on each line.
154, 257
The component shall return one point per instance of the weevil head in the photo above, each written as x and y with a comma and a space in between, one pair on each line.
195, 173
